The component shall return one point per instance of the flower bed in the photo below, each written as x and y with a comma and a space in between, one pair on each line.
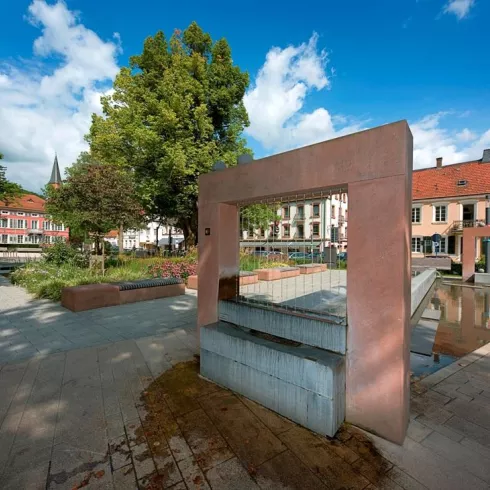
180, 269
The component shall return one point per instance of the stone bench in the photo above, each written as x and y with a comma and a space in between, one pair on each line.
312, 268
275, 273
91, 296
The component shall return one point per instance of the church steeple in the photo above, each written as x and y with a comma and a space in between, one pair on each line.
55, 179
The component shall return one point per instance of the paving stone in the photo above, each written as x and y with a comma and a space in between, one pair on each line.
441, 428
430, 469
73, 467
192, 474
469, 389
472, 412
418, 431
459, 455
274, 421
469, 429
120, 452
28, 465
331, 469
125, 479
475, 446
207, 444
285, 471
143, 461
404, 480
247, 435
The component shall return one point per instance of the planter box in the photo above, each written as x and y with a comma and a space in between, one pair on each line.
289, 272
92, 296
272, 274
192, 282
312, 268
247, 278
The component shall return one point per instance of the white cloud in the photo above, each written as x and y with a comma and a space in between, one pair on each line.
466, 135
47, 107
432, 140
275, 102
460, 8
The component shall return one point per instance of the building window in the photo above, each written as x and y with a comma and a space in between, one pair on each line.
261, 232
301, 231
5, 238
415, 215
18, 224
20, 238
316, 229
440, 214
333, 212
5, 212
286, 231
301, 212
34, 215
34, 224
442, 245
417, 244
21, 214
316, 210
334, 234
286, 212
4, 223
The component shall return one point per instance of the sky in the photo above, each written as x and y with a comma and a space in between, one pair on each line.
317, 71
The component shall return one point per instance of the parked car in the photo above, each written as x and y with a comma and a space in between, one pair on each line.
260, 253
298, 256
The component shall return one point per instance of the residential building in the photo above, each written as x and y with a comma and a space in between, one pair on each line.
445, 200
303, 226
147, 237
24, 221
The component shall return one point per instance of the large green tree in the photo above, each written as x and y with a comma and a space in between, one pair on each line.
174, 112
9, 191
94, 199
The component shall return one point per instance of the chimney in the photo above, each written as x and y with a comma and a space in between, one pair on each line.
439, 162
486, 156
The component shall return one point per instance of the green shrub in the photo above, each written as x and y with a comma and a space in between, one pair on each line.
61, 253
456, 268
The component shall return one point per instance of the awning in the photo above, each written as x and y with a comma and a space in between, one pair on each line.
175, 240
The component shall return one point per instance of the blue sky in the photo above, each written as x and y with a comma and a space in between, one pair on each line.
317, 71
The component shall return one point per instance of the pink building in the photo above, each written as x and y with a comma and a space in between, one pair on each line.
445, 200
23, 221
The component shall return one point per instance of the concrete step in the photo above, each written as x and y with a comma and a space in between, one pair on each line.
307, 329
302, 383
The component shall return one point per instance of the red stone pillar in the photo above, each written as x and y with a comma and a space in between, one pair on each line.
378, 306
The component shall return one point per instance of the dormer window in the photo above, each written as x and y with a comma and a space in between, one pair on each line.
462, 183
30, 200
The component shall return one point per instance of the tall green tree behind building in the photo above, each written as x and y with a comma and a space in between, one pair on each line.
175, 111
9, 191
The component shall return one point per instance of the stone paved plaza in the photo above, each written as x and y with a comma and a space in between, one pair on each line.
76, 419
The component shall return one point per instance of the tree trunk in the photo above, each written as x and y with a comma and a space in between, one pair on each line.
189, 227
120, 237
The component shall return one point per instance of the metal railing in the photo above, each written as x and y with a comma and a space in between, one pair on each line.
466, 223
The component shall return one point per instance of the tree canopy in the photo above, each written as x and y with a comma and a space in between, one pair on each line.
8, 190
174, 112
94, 198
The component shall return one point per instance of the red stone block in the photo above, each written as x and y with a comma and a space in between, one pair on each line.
90, 296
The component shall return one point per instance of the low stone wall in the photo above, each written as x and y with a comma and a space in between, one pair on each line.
420, 287
92, 296
300, 382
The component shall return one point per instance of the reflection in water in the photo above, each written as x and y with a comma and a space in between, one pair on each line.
464, 325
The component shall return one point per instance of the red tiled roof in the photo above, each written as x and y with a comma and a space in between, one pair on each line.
112, 234
443, 182
27, 202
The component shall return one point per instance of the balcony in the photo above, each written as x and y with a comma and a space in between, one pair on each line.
459, 226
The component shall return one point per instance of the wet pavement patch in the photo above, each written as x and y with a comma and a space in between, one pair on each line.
194, 430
